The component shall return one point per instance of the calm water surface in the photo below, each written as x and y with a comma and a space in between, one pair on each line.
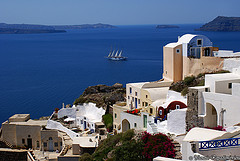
38, 72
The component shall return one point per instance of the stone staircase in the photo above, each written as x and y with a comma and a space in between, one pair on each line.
177, 148
5, 144
31, 155
67, 144
154, 128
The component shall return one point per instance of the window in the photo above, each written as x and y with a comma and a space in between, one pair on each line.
23, 141
135, 124
206, 90
115, 115
146, 103
81, 121
151, 110
38, 145
60, 143
50, 138
56, 144
130, 89
128, 97
229, 85
199, 42
177, 107
160, 112
135, 93
45, 144
29, 136
143, 104
146, 96
115, 126
192, 52
166, 72
138, 101
177, 50
133, 99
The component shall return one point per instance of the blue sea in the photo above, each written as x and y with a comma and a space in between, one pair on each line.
39, 72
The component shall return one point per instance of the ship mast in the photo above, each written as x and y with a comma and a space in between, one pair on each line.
112, 53
116, 54
120, 54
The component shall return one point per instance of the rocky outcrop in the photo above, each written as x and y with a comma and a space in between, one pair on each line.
222, 23
102, 95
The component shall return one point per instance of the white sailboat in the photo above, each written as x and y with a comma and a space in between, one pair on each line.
116, 56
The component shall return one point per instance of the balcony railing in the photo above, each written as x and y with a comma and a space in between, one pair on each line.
214, 144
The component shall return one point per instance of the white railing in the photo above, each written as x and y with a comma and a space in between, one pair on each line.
30, 156
58, 126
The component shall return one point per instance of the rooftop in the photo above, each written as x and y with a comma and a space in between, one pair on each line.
186, 38
138, 85
157, 93
31, 123
202, 134
20, 116
223, 76
87, 142
172, 45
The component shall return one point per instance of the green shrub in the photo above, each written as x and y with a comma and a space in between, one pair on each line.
86, 157
79, 100
108, 121
200, 75
128, 135
184, 91
222, 71
201, 83
106, 146
188, 80
129, 151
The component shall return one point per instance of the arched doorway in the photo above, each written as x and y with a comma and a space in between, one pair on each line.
210, 120
125, 125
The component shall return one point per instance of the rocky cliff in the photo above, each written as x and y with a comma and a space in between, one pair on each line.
222, 23
102, 95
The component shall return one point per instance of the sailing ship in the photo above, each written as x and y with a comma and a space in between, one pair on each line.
115, 56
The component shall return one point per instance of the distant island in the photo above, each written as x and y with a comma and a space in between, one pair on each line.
222, 23
27, 29
166, 26
33, 29
84, 26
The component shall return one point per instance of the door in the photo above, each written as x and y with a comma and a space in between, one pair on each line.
136, 102
207, 52
145, 121
50, 144
84, 125
29, 143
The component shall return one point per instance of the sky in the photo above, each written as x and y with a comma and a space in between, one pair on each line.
115, 12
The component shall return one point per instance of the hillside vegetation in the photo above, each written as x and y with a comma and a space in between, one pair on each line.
133, 146
191, 81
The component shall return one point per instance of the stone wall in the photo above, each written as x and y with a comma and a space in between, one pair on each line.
192, 119
14, 155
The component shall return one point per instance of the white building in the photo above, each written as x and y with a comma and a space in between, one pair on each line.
84, 116
219, 99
